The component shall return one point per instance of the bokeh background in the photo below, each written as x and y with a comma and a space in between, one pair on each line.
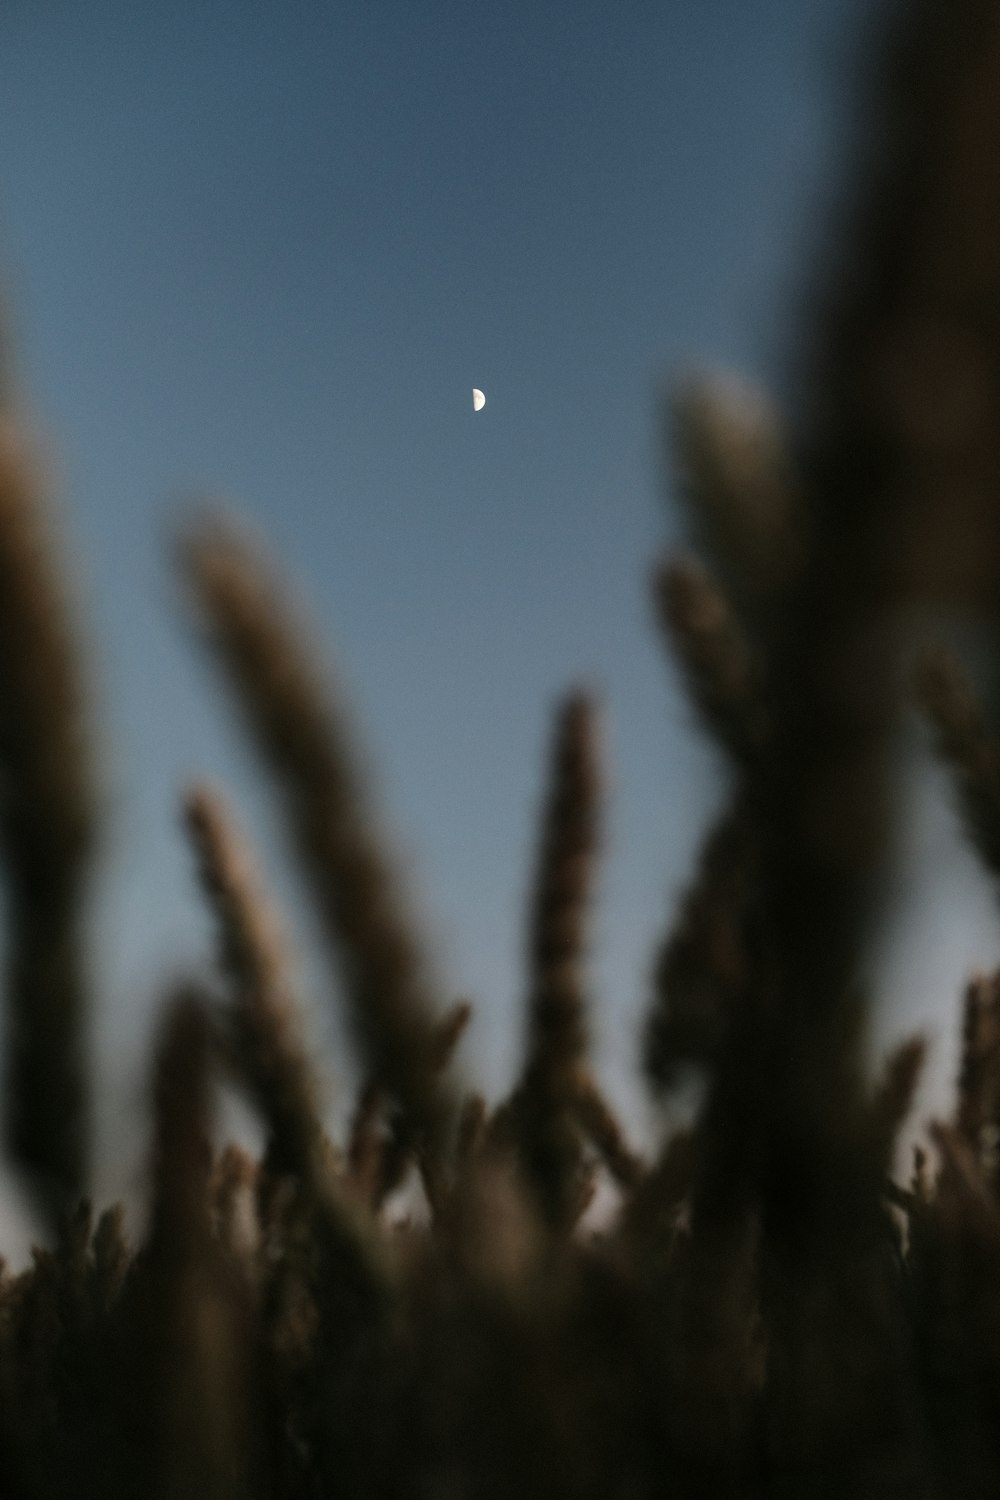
261, 251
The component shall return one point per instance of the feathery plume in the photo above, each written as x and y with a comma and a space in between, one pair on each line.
557, 1024
557, 1028
179, 1218
268, 1048
111, 1256
978, 1108
726, 442
703, 968
723, 677
47, 819
263, 1024
308, 748
192, 1357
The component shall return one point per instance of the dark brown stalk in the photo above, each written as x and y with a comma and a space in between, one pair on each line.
963, 741
191, 1372
978, 1108
111, 1255
383, 1144
723, 676
652, 1211
366, 1148
268, 1047
450, 1030
543, 1109
954, 1251
728, 449
306, 743
895, 1094
702, 970
471, 1128
262, 1021
233, 1192
898, 449
47, 820
604, 1130
179, 1227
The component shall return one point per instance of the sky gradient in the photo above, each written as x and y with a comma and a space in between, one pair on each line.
263, 252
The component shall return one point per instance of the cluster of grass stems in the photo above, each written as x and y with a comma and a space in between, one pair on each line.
775, 1309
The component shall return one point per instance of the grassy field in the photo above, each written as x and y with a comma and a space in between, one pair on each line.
773, 1310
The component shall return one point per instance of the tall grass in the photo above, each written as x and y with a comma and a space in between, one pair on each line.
770, 1312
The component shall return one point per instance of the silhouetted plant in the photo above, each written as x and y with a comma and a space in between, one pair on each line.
767, 1313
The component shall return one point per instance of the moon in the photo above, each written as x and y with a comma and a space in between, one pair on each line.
478, 400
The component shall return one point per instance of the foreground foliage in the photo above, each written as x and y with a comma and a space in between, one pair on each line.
771, 1312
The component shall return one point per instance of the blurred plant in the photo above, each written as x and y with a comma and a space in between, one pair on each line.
769, 1313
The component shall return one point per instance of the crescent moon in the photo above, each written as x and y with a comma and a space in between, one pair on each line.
478, 400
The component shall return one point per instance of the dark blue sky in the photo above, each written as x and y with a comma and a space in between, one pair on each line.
264, 251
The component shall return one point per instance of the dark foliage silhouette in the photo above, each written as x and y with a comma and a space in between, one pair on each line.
770, 1312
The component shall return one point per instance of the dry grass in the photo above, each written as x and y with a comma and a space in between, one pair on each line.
769, 1315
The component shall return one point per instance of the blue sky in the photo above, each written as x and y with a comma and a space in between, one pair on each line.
263, 251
